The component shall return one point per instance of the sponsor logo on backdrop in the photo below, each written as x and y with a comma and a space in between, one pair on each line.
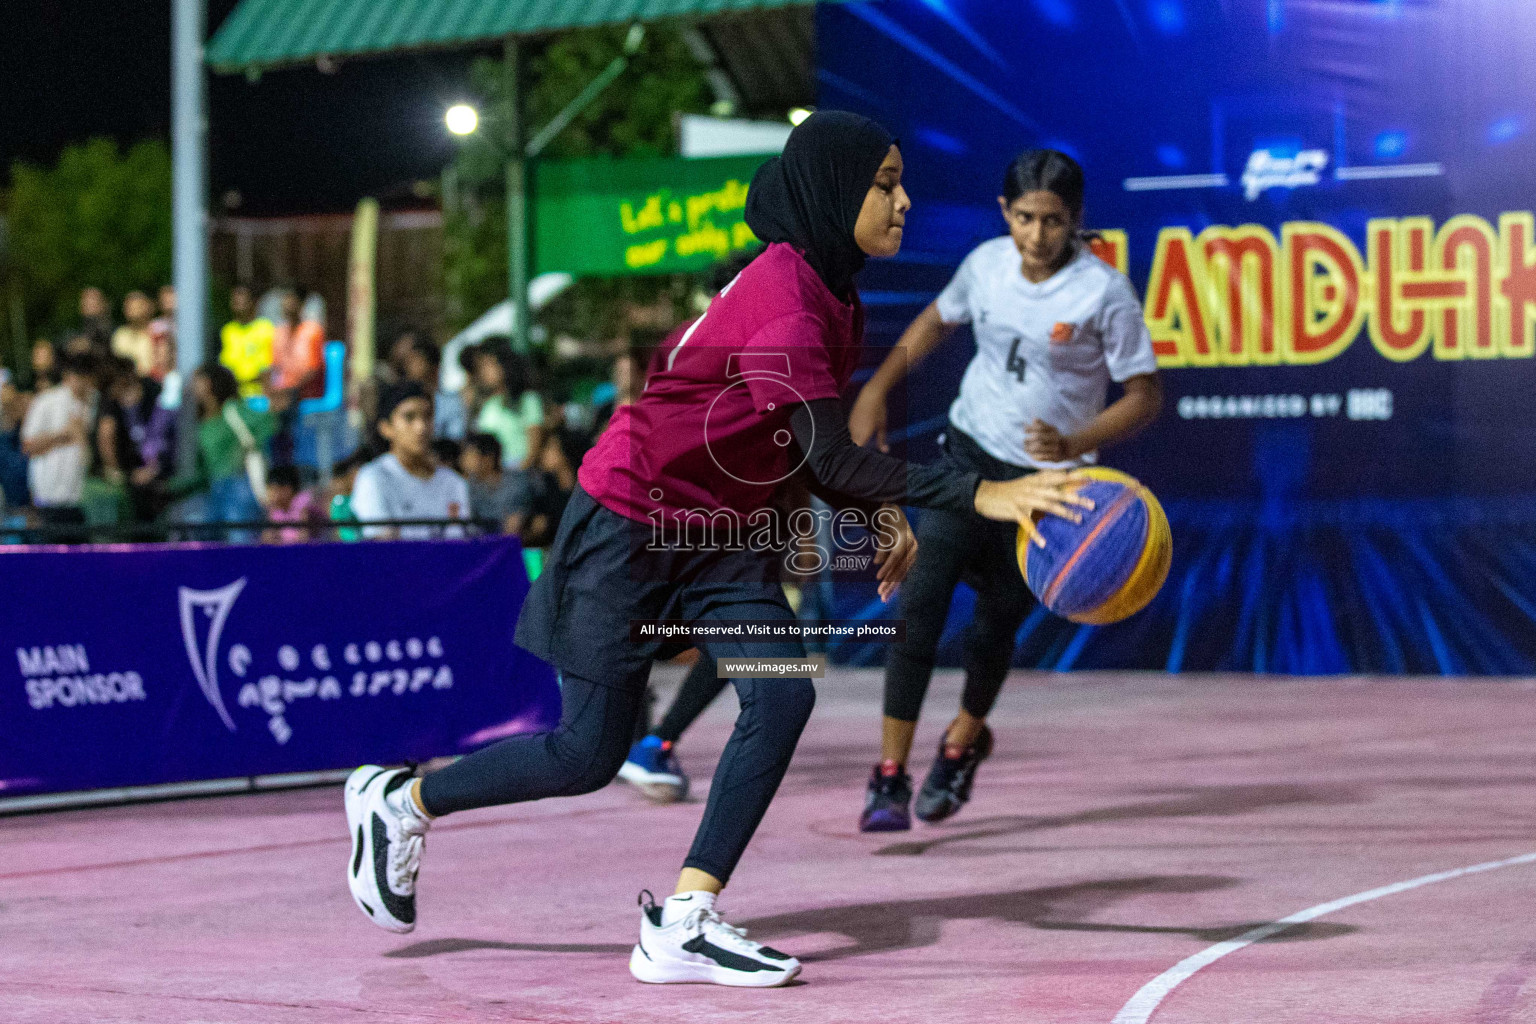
367, 668
215, 606
1267, 170
60, 675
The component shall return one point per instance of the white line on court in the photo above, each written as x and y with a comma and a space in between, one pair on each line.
1145, 1002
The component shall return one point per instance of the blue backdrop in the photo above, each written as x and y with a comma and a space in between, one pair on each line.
134, 666
1327, 209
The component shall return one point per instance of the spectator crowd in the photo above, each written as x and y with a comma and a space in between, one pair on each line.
90, 432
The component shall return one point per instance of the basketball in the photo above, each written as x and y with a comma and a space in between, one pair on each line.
1109, 566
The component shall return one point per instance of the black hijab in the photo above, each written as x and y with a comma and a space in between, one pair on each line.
810, 195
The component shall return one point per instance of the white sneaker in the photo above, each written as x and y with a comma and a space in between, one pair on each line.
684, 940
387, 837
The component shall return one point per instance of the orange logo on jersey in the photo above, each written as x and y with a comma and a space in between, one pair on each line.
1062, 333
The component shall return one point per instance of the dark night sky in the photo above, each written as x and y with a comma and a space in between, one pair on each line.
296, 141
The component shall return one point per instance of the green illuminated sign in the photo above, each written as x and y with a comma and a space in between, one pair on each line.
606, 218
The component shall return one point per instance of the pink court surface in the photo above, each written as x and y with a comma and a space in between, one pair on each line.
1132, 853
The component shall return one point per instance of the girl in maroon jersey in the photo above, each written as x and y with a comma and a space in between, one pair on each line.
659, 529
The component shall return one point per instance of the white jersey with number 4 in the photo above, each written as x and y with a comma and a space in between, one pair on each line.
1044, 351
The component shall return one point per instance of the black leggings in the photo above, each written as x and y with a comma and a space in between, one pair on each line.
955, 547
585, 750
700, 687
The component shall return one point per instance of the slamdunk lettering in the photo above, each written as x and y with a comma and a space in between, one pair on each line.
1239, 296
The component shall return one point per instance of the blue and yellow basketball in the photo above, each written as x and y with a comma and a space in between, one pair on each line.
1109, 566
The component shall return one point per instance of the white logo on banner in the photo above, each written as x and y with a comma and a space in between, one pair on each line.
378, 665
215, 605
1268, 170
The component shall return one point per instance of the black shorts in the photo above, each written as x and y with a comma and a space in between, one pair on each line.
604, 570
989, 547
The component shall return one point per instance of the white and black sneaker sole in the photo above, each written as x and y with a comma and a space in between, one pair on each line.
685, 972
365, 868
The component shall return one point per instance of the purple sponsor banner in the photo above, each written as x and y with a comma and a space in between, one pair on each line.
131, 666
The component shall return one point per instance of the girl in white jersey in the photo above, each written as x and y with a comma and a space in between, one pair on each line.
1053, 326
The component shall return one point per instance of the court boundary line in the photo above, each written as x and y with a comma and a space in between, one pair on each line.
1141, 1006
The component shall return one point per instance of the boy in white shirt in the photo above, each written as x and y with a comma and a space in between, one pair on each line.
53, 437
408, 482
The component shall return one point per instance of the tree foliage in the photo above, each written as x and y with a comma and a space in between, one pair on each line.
99, 216
634, 116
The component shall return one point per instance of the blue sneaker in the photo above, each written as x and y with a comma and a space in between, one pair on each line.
652, 768
887, 800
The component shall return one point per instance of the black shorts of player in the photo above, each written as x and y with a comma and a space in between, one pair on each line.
602, 572
954, 547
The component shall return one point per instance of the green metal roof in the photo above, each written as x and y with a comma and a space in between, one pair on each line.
270, 33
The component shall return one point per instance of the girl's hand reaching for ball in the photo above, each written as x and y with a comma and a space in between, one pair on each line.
1049, 491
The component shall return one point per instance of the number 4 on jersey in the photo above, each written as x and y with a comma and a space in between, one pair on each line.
1015, 361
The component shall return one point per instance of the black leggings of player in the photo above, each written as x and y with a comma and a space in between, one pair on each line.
700, 687
955, 547
584, 752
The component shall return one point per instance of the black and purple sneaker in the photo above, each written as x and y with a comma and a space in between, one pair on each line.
949, 781
886, 801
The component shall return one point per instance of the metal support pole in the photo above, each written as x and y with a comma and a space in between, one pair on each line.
189, 128
518, 212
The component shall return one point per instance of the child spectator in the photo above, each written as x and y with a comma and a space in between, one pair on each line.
408, 482
298, 351
339, 502
554, 481
470, 394
228, 431
495, 493
627, 381
298, 369
512, 410
133, 340
84, 344
245, 343
95, 334
53, 437
45, 365
158, 448
162, 333
13, 465
387, 372
123, 425
421, 363
446, 450
287, 502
